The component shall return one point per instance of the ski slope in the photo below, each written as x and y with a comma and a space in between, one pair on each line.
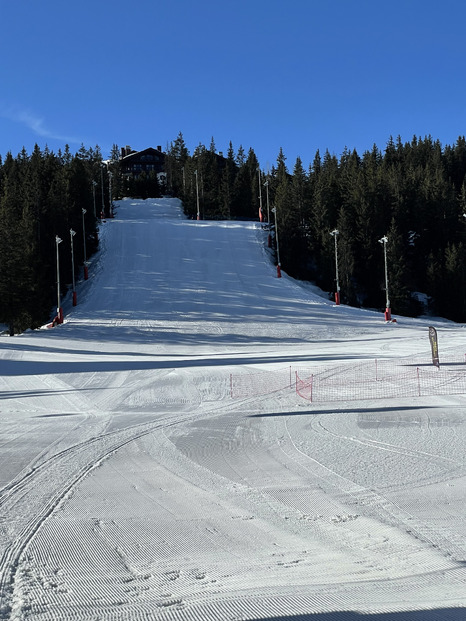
132, 485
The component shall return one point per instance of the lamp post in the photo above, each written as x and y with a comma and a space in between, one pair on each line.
110, 175
260, 194
269, 238
102, 166
75, 300
279, 266
266, 184
388, 315
86, 272
335, 234
59, 317
94, 184
197, 196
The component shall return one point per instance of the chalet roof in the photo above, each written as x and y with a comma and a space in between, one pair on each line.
148, 151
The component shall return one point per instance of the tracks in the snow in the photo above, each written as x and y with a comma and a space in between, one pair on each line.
26, 503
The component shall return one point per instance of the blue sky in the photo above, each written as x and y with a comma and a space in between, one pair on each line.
301, 75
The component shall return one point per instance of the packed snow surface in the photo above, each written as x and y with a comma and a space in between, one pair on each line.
134, 485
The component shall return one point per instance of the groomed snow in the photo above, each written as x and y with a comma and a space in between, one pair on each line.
132, 485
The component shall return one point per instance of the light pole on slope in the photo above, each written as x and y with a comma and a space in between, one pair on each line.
102, 213
279, 266
335, 234
197, 196
75, 298
59, 308
260, 195
86, 271
388, 314
269, 238
110, 175
94, 184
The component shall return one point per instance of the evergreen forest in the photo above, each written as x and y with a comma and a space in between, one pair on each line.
412, 193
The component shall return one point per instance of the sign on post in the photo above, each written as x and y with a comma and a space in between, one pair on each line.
434, 346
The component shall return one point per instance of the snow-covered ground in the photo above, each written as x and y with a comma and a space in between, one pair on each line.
133, 486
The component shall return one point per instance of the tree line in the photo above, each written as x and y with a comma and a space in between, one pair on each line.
44, 196
414, 193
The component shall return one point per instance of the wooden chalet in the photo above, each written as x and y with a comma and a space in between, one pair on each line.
133, 163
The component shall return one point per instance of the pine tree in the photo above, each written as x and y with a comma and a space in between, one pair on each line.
346, 251
245, 202
16, 254
325, 204
114, 168
227, 184
176, 161
400, 297
240, 156
451, 301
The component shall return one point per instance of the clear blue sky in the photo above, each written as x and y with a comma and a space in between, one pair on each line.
298, 74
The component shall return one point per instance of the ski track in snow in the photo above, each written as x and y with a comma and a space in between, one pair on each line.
133, 487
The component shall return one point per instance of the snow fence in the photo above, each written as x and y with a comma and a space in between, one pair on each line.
376, 379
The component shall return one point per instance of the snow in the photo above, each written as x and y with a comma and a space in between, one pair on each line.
133, 486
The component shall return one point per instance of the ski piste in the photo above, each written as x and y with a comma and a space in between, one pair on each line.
133, 486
